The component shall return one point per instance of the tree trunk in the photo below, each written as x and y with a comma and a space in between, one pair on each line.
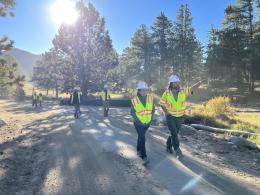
218, 130
57, 91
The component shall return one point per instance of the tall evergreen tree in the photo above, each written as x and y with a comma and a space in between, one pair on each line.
161, 37
6, 7
48, 73
143, 48
88, 45
187, 51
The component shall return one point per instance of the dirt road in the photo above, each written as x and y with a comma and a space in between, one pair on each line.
47, 151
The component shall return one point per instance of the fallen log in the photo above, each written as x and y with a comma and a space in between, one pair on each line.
219, 130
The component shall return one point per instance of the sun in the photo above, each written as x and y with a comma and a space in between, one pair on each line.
63, 12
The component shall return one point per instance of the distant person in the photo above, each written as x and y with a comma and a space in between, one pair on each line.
142, 111
34, 99
173, 103
106, 100
40, 99
76, 100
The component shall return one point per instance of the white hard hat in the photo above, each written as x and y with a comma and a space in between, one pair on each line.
76, 88
174, 79
142, 85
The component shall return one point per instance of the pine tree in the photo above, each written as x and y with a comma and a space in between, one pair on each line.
187, 50
6, 7
161, 37
88, 45
143, 48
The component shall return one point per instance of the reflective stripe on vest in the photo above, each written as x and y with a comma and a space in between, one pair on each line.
176, 108
143, 113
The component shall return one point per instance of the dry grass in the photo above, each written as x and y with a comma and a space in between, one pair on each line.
219, 113
252, 118
28, 88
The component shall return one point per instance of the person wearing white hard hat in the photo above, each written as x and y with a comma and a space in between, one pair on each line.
76, 100
142, 111
106, 97
173, 103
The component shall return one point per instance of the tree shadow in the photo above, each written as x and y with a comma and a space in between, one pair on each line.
190, 163
64, 146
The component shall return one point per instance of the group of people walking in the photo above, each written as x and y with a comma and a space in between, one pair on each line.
37, 99
173, 103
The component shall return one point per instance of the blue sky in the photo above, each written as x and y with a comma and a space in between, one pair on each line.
32, 28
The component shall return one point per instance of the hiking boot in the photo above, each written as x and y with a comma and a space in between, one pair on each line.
178, 153
145, 161
169, 150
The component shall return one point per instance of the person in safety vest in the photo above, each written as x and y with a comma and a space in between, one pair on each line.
105, 96
142, 111
173, 103
76, 100
40, 98
34, 99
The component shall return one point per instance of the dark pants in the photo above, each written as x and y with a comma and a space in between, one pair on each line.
34, 103
106, 107
141, 130
40, 102
77, 110
174, 125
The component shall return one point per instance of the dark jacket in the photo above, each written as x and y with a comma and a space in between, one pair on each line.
76, 98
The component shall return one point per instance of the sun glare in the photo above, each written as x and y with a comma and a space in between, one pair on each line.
63, 12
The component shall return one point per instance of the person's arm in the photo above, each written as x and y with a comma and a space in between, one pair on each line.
190, 90
163, 102
196, 85
164, 110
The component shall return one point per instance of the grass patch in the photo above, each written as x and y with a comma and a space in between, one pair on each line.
219, 113
255, 140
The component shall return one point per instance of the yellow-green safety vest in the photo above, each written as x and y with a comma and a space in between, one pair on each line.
175, 108
34, 96
40, 98
103, 95
143, 113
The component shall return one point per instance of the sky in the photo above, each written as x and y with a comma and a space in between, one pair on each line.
33, 27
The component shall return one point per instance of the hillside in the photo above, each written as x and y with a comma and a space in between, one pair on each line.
26, 60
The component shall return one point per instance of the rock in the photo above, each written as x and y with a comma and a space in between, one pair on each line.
222, 151
187, 130
2, 123
239, 141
